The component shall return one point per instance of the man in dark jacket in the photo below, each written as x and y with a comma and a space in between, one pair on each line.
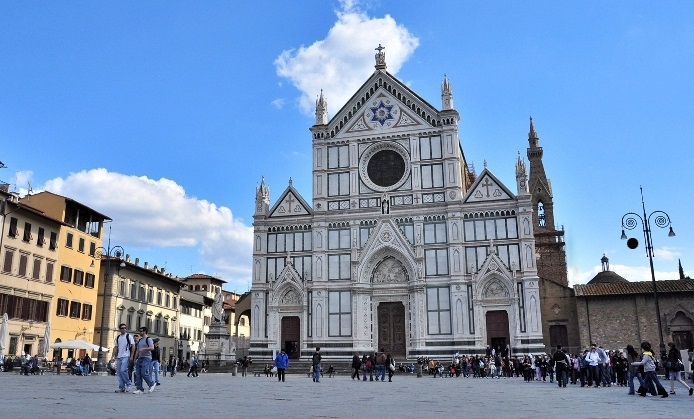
316, 365
561, 366
356, 365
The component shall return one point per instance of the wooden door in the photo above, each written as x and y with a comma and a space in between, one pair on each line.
497, 329
291, 336
391, 329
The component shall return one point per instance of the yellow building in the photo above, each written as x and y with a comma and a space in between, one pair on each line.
29, 255
74, 301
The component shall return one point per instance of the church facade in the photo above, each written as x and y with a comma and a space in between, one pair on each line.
400, 246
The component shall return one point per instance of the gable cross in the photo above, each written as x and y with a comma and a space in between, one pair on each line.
487, 184
289, 201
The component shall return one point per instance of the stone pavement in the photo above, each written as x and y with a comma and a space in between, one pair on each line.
223, 395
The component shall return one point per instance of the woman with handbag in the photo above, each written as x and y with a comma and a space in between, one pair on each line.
390, 365
675, 366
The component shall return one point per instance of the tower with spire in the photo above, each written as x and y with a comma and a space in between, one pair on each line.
321, 110
551, 260
262, 198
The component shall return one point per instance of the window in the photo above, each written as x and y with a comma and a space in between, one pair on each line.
302, 264
364, 233
150, 295
121, 288
338, 184
174, 303
166, 327
54, 241
407, 228
274, 268
430, 148
339, 266
86, 311
79, 277
9, 256
139, 321
338, 238
68, 240
41, 240
89, 280
129, 320
75, 309
168, 299
27, 232
158, 297
61, 307
142, 296
541, 214
133, 291
339, 313
294, 242
36, 274
80, 246
436, 261
435, 232
338, 157
157, 325
432, 176
439, 311
149, 322
92, 248
500, 228
49, 271
23, 260
13, 227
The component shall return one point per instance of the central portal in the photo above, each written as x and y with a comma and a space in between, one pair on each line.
391, 329
291, 336
497, 329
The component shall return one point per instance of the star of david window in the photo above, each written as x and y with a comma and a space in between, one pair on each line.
381, 113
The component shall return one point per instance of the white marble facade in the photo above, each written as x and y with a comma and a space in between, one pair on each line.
402, 245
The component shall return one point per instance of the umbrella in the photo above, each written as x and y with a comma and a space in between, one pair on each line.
78, 344
4, 335
47, 339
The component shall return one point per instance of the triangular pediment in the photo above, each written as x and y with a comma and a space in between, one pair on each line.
383, 103
290, 204
495, 280
288, 289
488, 188
386, 241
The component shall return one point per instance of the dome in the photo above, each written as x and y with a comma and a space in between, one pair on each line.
606, 276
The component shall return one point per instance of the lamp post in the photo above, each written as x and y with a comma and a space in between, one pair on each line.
108, 253
661, 220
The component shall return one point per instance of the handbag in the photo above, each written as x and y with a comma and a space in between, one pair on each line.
679, 366
391, 367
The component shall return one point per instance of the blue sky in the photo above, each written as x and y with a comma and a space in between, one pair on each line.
165, 115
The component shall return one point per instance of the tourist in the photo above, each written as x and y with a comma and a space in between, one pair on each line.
315, 361
125, 354
281, 362
561, 364
364, 365
676, 367
86, 365
634, 371
390, 362
593, 360
156, 361
194, 363
652, 383
143, 362
132, 371
356, 364
604, 367
381, 365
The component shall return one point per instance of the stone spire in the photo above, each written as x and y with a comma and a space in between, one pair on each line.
521, 176
262, 198
446, 94
321, 110
380, 58
532, 136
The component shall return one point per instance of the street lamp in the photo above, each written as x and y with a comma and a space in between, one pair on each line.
108, 253
661, 220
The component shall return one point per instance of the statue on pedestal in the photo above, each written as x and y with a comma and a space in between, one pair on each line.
218, 308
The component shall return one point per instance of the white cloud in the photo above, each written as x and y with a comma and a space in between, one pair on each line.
339, 63
666, 253
278, 103
158, 213
630, 273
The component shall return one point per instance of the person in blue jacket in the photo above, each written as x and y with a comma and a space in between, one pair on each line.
281, 362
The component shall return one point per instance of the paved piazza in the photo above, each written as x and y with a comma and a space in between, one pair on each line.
222, 395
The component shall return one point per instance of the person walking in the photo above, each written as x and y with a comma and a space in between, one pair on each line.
390, 364
381, 365
281, 362
674, 359
156, 361
651, 381
633, 357
124, 352
356, 364
194, 363
143, 362
315, 360
561, 366
593, 360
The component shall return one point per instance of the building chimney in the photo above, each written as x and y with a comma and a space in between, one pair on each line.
127, 258
146, 265
137, 261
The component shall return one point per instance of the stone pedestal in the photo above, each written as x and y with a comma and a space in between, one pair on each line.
219, 349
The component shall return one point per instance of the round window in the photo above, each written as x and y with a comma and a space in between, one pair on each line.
386, 168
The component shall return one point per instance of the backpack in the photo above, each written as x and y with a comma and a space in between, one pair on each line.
128, 341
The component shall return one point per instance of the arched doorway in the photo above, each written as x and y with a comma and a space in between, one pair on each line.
498, 335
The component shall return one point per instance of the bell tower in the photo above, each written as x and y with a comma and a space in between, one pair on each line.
549, 242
